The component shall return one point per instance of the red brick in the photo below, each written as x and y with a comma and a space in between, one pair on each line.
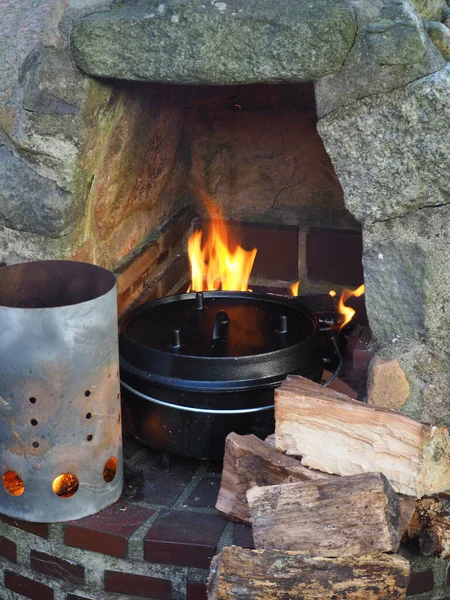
27, 587
334, 256
196, 591
205, 493
50, 565
141, 586
39, 529
420, 582
108, 531
184, 539
8, 549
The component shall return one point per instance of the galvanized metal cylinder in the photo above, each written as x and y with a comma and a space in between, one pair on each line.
60, 419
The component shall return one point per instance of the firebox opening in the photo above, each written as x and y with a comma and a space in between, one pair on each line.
251, 151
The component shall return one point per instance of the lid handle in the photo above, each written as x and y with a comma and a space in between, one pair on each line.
221, 326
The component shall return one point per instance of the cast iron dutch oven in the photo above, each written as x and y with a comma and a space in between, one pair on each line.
195, 367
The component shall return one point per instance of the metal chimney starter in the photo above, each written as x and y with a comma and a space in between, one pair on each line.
60, 420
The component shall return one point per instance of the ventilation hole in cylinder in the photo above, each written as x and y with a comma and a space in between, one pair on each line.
89, 416
13, 483
66, 485
90, 437
32, 400
34, 422
110, 470
35, 444
87, 393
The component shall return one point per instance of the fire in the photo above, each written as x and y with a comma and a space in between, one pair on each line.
294, 288
217, 262
347, 313
332, 293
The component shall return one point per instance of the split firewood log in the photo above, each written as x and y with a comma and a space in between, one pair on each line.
346, 516
249, 462
241, 574
335, 434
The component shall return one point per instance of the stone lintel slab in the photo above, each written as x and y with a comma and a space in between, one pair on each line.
216, 43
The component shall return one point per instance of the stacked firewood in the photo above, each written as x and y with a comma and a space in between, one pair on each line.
328, 522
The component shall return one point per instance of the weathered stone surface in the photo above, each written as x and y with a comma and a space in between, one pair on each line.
397, 38
30, 202
391, 50
440, 36
407, 279
429, 9
390, 151
429, 380
388, 385
265, 162
191, 41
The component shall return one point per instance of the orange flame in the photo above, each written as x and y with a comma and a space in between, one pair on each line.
217, 263
347, 313
332, 293
294, 288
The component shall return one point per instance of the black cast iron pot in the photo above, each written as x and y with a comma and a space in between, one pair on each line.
196, 367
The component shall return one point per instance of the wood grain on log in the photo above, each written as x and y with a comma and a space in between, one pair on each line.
347, 516
335, 434
240, 574
249, 462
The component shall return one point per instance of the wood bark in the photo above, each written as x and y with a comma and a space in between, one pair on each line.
348, 516
249, 462
335, 434
240, 574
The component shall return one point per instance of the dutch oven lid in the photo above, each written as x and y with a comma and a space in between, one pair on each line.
217, 336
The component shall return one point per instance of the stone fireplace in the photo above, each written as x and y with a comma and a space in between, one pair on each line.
317, 127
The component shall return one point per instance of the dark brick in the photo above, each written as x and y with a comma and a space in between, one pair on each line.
205, 493
420, 582
215, 466
277, 247
334, 256
27, 587
196, 591
243, 536
184, 539
153, 479
8, 549
39, 529
50, 565
138, 585
108, 531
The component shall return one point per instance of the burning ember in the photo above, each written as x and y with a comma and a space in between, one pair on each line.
294, 288
347, 313
217, 261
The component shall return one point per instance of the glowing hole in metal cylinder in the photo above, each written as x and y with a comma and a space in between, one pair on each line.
66, 485
13, 483
110, 469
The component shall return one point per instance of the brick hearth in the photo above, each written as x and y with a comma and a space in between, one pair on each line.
155, 543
